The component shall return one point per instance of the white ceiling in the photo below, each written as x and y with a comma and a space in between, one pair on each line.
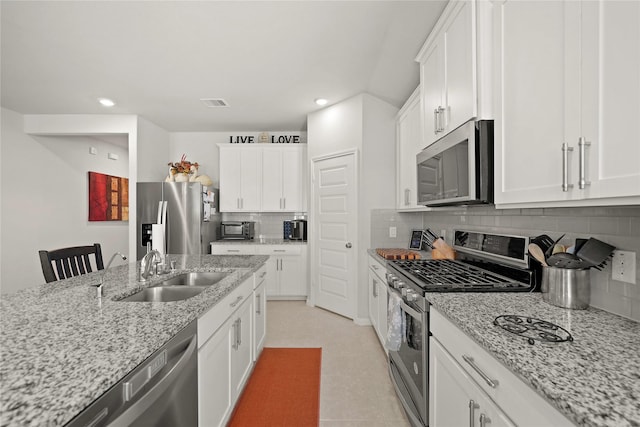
269, 60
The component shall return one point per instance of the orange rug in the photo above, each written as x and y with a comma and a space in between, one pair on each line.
283, 390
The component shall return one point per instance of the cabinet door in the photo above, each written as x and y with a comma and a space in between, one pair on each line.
260, 318
215, 401
272, 176
460, 66
611, 98
272, 281
409, 142
293, 277
230, 184
432, 89
241, 347
250, 174
455, 399
293, 179
535, 48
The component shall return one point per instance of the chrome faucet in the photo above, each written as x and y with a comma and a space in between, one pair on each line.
145, 265
104, 273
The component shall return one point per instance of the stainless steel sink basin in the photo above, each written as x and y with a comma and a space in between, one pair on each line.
177, 288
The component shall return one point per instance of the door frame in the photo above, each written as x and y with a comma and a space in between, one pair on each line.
312, 232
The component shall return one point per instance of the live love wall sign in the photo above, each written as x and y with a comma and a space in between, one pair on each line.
273, 139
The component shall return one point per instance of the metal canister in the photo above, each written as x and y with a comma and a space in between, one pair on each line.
566, 287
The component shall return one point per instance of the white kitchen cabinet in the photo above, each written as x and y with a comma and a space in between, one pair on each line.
378, 299
572, 124
461, 370
225, 356
456, 400
287, 271
284, 178
455, 69
234, 249
240, 175
260, 311
409, 143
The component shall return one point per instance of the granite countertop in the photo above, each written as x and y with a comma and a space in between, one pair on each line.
593, 381
260, 241
61, 347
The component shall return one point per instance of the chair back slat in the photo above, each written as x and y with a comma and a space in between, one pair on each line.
70, 262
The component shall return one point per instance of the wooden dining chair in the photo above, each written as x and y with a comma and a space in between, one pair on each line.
63, 263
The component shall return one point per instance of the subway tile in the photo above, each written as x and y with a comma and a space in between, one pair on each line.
572, 225
603, 225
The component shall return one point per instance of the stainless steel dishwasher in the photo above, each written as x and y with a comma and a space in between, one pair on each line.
161, 391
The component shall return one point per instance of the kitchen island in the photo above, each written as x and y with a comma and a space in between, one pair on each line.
593, 380
62, 347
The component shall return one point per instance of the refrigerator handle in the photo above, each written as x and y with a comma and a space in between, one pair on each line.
164, 214
159, 220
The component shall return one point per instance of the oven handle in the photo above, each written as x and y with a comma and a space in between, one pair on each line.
413, 313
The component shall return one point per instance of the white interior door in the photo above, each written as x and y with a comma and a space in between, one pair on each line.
334, 211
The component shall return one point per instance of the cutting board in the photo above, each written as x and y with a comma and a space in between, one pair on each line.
397, 253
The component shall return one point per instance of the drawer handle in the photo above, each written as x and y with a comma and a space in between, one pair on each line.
279, 250
233, 304
472, 409
485, 377
233, 250
264, 273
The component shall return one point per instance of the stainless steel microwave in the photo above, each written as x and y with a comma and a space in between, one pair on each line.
457, 169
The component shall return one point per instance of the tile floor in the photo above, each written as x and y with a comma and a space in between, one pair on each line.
355, 389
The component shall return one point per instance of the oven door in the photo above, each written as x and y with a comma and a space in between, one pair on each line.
232, 230
408, 365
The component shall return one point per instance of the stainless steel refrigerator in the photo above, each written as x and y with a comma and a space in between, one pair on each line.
187, 211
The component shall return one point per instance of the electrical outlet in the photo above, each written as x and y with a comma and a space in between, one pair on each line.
393, 232
623, 267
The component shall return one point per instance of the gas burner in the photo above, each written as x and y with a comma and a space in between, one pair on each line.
533, 329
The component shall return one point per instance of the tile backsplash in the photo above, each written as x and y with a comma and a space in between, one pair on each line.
618, 226
268, 225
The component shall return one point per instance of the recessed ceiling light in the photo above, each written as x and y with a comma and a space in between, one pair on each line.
321, 101
106, 102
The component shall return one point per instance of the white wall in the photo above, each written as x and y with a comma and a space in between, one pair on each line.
153, 151
44, 195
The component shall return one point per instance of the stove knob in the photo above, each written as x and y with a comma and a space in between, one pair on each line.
411, 296
399, 284
404, 291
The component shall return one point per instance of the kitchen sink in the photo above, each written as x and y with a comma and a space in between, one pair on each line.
177, 288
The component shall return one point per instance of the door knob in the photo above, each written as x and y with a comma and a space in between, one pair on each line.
348, 245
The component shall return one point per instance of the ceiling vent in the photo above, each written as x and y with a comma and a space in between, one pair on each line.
214, 102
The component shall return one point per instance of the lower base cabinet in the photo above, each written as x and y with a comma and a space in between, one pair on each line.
260, 311
226, 353
378, 299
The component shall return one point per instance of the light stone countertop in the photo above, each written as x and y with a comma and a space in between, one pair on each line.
593, 381
61, 347
260, 241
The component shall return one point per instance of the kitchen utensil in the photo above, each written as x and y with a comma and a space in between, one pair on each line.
536, 252
567, 260
595, 251
566, 287
549, 251
543, 241
558, 248
579, 243
429, 237
443, 251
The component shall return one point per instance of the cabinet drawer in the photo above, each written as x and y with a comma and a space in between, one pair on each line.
239, 249
377, 268
210, 321
259, 276
280, 249
523, 405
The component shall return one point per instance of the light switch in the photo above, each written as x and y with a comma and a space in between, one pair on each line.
393, 232
112, 156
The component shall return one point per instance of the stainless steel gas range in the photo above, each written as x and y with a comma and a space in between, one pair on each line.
485, 262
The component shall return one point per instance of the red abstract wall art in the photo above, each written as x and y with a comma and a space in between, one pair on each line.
108, 197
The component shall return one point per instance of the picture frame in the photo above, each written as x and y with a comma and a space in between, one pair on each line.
416, 240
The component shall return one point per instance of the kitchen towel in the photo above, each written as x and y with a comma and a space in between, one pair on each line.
157, 238
395, 326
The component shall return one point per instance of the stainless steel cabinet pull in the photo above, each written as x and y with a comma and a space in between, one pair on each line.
582, 143
233, 250
235, 335
284, 203
435, 121
485, 377
264, 273
441, 123
565, 167
258, 304
233, 304
279, 250
239, 331
472, 408
483, 420
407, 196
374, 289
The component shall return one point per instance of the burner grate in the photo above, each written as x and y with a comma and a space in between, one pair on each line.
533, 329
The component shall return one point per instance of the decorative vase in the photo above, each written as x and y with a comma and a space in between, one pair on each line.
181, 177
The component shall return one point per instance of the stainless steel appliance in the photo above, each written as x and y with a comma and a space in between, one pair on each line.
161, 392
187, 211
298, 229
487, 263
237, 230
457, 169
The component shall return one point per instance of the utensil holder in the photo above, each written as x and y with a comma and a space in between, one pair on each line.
566, 287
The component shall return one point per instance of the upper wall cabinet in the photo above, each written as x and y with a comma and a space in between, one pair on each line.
268, 178
455, 69
568, 92
409, 142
